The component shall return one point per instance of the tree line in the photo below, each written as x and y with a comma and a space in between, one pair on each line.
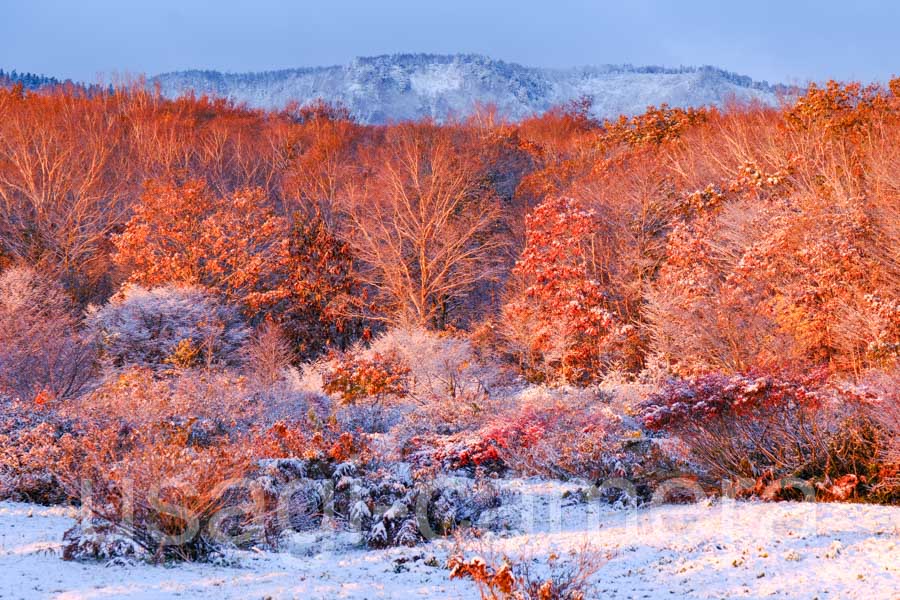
693, 240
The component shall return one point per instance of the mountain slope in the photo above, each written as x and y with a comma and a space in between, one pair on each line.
412, 86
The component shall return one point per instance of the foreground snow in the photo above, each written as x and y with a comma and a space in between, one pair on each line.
717, 550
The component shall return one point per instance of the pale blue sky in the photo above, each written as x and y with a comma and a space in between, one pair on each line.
785, 41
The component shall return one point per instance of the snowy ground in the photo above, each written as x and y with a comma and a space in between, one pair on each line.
717, 550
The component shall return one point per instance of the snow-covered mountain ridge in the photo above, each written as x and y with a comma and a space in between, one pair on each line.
412, 86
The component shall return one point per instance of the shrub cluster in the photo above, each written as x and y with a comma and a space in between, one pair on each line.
548, 434
785, 436
508, 580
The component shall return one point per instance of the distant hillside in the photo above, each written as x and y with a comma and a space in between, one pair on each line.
34, 81
412, 86
30, 81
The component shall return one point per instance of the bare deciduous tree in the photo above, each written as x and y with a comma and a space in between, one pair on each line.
41, 349
422, 225
63, 183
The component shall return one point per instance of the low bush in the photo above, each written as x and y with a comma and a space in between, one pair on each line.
334, 481
441, 365
377, 379
162, 462
157, 487
174, 484
268, 356
409, 381
559, 579
552, 434
180, 489
36, 444
286, 439
558, 439
42, 347
174, 326
769, 429
879, 396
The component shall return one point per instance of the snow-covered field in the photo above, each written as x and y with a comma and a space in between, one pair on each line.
706, 550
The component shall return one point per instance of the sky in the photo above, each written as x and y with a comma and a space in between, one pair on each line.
779, 41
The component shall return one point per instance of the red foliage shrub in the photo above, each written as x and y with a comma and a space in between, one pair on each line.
765, 428
36, 445
376, 379
554, 439
549, 437
156, 486
684, 403
569, 579
562, 323
294, 440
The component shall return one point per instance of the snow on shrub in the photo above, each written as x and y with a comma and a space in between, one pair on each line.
742, 426
423, 380
179, 453
268, 356
766, 429
172, 464
553, 434
505, 579
357, 378
683, 403
179, 485
43, 442
441, 365
879, 395
369, 388
173, 325
383, 506
41, 348
293, 439
36, 444
158, 487
309, 480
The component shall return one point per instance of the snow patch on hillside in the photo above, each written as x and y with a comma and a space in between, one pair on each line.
435, 80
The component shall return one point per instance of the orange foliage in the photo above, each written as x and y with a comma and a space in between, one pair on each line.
185, 234
724, 238
356, 379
